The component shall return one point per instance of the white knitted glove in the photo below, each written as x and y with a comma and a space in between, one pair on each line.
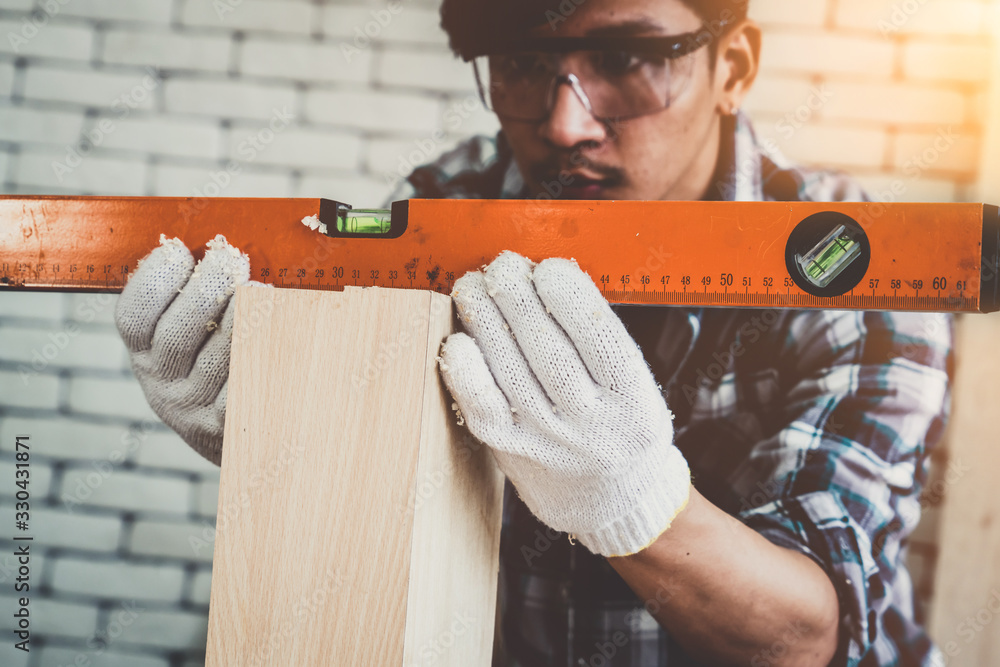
551, 380
177, 322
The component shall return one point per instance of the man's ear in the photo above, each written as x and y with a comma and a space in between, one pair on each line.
737, 64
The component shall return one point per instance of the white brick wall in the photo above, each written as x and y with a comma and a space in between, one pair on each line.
69, 347
175, 181
107, 396
118, 580
373, 110
931, 17
114, 493
854, 84
438, 70
41, 392
902, 70
52, 655
988, 188
297, 148
168, 50
41, 481
29, 126
797, 49
214, 97
81, 86
92, 486
940, 60
52, 617
78, 531
96, 175
295, 17
70, 437
169, 629
147, 11
201, 587
277, 58
175, 137
163, 538
54, 41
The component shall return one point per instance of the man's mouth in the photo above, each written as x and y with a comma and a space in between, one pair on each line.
578, 184
584, 187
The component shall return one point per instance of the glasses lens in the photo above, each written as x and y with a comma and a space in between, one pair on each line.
517, 85
622, 84
618, 84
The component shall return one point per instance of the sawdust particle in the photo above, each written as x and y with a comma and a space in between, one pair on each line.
313, 223
458, 414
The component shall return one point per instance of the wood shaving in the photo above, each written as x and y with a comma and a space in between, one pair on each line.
313, 223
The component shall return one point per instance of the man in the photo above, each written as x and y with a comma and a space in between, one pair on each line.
763, 522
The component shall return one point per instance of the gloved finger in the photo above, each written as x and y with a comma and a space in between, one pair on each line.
549, 351
485, 323
211, 448
211, 366
205, 387
204, 427
198, 390
482, 404
150, 290
611, 355
184, 326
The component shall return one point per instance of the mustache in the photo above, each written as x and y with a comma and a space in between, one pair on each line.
552, 168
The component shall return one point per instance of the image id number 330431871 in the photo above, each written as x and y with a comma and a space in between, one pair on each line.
22, 549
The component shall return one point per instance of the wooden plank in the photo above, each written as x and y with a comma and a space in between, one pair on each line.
356, 525
458, 492
965, 614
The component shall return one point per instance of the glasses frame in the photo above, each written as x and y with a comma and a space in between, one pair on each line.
670, 47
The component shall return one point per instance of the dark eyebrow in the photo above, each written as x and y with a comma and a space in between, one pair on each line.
631, 28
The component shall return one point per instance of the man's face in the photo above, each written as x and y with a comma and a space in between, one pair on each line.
670, 154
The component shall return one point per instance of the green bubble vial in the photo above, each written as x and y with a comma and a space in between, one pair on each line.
364, 221
829, 257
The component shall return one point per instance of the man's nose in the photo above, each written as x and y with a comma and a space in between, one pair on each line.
569, 122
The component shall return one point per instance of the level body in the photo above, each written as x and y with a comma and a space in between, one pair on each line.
920, 257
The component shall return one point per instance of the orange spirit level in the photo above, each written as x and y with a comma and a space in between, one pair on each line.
869, 256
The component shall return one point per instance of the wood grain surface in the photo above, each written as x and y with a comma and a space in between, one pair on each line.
357, 525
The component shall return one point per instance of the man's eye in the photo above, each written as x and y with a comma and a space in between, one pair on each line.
620, 63
523, 65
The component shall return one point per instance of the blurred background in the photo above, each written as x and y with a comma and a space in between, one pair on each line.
154, 98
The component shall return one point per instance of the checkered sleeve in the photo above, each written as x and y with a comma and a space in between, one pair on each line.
866, 394
472, 170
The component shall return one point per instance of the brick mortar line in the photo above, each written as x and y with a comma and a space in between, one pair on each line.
56, 554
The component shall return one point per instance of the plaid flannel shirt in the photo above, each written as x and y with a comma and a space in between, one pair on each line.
812, 427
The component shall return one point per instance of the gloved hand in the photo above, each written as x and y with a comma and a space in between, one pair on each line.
177, 322
551, 380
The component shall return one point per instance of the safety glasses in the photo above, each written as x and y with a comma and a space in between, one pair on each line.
615, 78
